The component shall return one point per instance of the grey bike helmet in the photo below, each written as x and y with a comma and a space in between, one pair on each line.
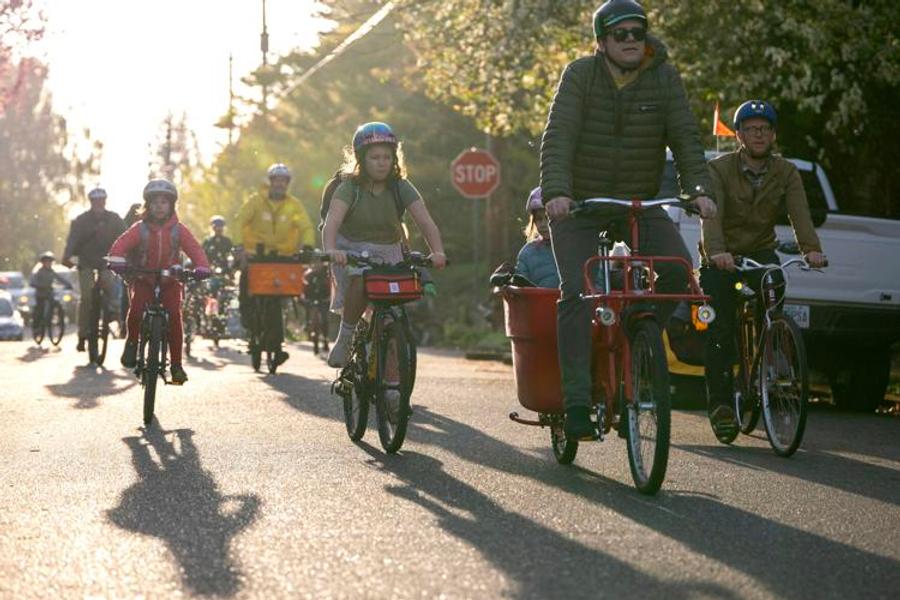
278, 170
160, 186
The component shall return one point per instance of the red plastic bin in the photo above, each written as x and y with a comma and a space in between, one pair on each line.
531, 327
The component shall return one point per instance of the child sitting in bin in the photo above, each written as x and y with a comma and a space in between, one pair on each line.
535, 261
365, 215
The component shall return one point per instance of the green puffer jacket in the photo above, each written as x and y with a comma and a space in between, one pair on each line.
604, 141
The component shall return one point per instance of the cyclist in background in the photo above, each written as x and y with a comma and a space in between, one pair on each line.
90, 236
365, 214
42, 278
156, 242
277, 220
218, 246
752, 187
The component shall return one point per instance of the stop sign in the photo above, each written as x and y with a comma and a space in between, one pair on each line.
475, 173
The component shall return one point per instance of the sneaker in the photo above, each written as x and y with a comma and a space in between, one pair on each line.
340, 353
392, 405
578, 424
129, 355
178, 374
723, 422
281, 357
80, 346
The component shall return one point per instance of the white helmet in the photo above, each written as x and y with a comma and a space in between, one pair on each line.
278, 170
160, 186
97, 193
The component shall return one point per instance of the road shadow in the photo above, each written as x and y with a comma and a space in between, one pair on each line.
179, 502
540, 562
89, 384
310, 396
38, 352
815, 466
788, 561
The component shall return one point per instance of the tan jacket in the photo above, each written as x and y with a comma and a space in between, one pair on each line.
746, 217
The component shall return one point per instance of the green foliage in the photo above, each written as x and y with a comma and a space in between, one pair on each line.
41, 167
831, 67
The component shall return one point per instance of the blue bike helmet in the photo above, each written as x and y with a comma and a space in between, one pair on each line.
755, 108
373, 133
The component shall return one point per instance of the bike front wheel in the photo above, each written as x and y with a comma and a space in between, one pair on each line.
150, 374
57, 327
784, 385
648, 410
356, 395
38, 329
393, 386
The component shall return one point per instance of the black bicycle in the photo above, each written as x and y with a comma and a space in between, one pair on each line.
98, 326
271, 278
49, 322
382, 365
773, 377
153, 336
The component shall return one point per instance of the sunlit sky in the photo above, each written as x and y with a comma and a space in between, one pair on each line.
118, 67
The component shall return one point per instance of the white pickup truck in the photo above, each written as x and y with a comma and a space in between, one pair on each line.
850, 312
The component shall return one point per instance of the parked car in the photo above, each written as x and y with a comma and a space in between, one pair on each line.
22, 296
12, 327
849, 313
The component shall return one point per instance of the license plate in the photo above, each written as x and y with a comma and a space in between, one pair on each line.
800, 314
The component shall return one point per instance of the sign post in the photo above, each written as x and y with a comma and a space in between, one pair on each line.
475, 174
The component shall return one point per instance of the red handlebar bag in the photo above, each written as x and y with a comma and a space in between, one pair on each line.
392, 284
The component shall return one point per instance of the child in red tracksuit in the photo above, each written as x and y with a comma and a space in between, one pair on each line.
156, 242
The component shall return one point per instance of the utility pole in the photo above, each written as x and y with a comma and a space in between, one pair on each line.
264, 46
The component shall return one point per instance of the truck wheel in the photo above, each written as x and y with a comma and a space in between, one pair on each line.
862, 386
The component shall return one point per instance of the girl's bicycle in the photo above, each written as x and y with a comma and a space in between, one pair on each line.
154, 335
772, 378
382, 366
629, 370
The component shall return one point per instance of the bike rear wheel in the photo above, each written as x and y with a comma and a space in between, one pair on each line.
564, 449
356, 393
648, 410
98, 334
39, 327
57, 326
392, 398
150, 374
784, 385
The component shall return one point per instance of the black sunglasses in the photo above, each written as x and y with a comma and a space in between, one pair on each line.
638, 34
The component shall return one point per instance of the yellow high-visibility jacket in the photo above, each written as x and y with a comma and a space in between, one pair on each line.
283, 226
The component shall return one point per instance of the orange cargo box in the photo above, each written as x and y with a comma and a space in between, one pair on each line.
276, 279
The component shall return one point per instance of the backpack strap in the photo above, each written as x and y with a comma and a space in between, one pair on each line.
145, 242
175, 241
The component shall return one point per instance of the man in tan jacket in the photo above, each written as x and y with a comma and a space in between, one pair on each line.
752, 187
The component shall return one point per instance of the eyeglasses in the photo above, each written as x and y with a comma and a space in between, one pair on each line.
638, 34
757, 129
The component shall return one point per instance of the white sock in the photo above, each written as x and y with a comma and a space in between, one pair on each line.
346, 331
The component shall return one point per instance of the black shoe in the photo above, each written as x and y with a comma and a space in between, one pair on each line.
178, 374
281, 357
80, 346
129, 355
578, 424
724, 423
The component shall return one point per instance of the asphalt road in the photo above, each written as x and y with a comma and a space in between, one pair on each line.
249, 488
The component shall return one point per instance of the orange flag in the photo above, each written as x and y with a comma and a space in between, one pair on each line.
720, 128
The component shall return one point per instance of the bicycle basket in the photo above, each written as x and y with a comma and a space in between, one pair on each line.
395, 285
275, 278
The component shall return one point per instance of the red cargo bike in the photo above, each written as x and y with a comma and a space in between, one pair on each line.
630, 390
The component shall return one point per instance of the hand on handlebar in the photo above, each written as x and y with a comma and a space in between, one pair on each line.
338, 257
201, 273
723, 261
707, 208
816, 260
559, 207
438, 259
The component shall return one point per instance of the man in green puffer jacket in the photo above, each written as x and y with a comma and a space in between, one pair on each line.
612, 117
